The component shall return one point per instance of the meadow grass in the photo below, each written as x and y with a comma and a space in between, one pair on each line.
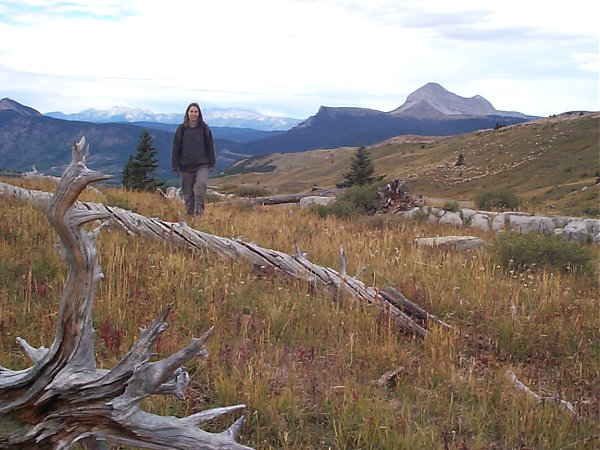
306, 361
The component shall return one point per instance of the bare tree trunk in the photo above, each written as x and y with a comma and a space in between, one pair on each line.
297, 266
63, 398
291, 198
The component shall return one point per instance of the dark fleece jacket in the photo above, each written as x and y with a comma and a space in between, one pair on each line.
193, 147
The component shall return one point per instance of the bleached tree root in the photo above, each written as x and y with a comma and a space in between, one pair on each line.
63, 398
549, 399
297, 266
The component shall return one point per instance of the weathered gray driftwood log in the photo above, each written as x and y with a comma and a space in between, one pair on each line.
291, 198
297, 266
63, 398
547, 399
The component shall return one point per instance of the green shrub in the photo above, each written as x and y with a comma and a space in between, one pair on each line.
251, 191
213, 198
591, 211
364, 198
452, 206
497, 200
342, 209
420, 216
355, 200
537, 251
228, 188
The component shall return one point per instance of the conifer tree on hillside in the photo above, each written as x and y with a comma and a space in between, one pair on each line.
126, 175
140, 172
361, 170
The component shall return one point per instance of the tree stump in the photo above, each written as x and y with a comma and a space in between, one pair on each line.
63, 398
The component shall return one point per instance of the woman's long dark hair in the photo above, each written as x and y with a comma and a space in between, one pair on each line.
186, 119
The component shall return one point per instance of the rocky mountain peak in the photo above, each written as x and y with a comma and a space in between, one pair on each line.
433, 100
9, 104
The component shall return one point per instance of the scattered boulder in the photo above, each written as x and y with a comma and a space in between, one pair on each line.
480, 221
576, 230
499, 222
571, 228
468, 214
305, 202
592, 226
531, 224
451, 218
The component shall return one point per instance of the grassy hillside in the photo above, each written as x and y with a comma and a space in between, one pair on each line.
306, 361
550, 163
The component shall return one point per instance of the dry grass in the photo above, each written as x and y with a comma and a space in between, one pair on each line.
304, 361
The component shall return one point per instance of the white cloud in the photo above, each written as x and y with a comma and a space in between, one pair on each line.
293, 56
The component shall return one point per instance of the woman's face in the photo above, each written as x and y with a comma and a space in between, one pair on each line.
193, 114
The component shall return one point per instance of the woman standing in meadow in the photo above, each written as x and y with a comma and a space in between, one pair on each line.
193, 156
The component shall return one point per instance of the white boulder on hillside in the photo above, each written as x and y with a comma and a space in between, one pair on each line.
311, 200
571, 228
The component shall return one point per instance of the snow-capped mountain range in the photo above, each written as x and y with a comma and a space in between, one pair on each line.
218, 117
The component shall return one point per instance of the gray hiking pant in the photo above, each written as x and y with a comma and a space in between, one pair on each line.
193, 185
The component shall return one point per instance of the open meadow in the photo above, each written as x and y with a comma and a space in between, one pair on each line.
308, 362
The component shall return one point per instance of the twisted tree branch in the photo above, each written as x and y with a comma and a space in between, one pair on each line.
63, 398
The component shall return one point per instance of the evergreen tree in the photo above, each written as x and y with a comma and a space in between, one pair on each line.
460, 161
141, 170
126, 175
361, 170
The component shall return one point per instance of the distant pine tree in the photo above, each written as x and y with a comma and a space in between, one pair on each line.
126, 174
140, 172
361, 170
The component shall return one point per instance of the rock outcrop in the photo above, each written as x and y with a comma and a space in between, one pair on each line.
570, 228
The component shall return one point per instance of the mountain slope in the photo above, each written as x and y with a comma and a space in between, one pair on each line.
547, 162
45, 141
432, 100
28, 138
339, 127
7, 104
431, 110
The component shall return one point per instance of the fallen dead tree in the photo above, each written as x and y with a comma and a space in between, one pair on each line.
297, 266
546, 400
63, 397
34, 174
292, 198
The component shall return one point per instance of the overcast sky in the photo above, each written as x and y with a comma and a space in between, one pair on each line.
289, 57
